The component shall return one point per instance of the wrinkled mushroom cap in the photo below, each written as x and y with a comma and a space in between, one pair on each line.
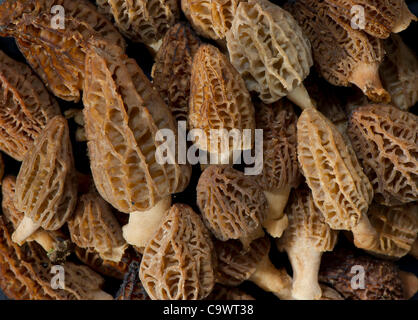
178, 262
386, 142
7, 204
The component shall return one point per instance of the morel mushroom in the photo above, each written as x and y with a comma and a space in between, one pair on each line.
340, 189
219, 102
280, 164
269, 50
25, 107
343, 55
131, 288
386, 142
306, 238
46, 186
232, 204
143, 21
172, 69
124, 116
178, 262
57, 53
93, 226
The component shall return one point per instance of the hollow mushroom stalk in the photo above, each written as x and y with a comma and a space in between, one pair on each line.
124, 117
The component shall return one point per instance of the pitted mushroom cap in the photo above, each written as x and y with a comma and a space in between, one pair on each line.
94, 226
178, 262
268, 48
232, 204
8, 188
339, 187
210, 18
221, 292
235, 265
218, 99
123, 114
386, 142
172, 69
281, 167
397, 228
25, 107
46, 186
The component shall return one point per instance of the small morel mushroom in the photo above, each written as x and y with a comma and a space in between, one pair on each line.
306, 238
340, 189
25, 107
386, 142
131, 287
93, 226
46, 186
267, 47
172, 69
343, 55
221, 292
232, 204
178, 262
219, 102
280, 163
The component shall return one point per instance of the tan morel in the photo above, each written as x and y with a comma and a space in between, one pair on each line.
123, 117
340, 189
280, 163
172, 69
386, 142
46, 186
306, 238
219, 103
178, 262
232, 204
343, 55
25, 107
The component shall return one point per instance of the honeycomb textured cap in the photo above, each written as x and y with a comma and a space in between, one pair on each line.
25, 107
218, 98
381, 283
235, 265
143, 21
386, 142
8, 189
183, 246
173, 67
268, 48
232, 204
280, 163
210, 18
339, 187
399, 73
343, 55
123, 114
221, 292
131, 288
397, 228
46, 188
94, 226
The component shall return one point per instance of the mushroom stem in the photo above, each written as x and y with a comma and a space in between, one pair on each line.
246, 241
154, 47
404, 19
414, 249
365, 236
270, 279
276, 222
300, 97
143, 224
24, 230
100, 295
115, 254
305, 265
44, 239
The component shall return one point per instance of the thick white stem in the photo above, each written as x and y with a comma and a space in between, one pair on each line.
43, 238
24, 230
365, 236
300, 97
276, 222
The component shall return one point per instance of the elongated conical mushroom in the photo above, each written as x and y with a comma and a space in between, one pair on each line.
280, 163
340, 189
55, 45
94, 226
386, 142
343, 55
306, 238
232, 204
178, 262
46, 186
172, 69
219, 103
269, 50
143, 21
125, 121
25, 107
